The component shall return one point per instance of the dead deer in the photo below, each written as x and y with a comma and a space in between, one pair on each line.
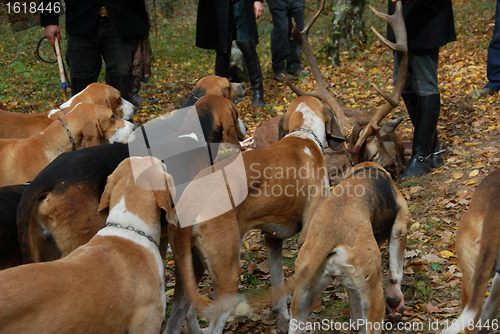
363, 138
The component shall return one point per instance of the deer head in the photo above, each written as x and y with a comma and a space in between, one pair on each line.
357, 131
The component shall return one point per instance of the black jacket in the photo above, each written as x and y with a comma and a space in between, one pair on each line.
128, 17
429, 23
213, 21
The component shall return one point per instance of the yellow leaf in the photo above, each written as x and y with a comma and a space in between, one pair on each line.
470, 182
449, 181
474, 173
170, 292
202, 298
170, 262
446, 254
242, 309
457, 175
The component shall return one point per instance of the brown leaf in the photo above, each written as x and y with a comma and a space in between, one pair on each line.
431, 308
263, 267
251, 268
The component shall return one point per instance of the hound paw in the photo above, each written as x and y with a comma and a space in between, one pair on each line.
283, 322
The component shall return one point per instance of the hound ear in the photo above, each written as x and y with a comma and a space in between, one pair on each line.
103, 208
334, 136
113, 100
332, 127
91, 135
166, 203
226, 89
230, 126
283, 126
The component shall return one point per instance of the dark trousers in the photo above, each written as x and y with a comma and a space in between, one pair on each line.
283, 48
84, 55
493, 64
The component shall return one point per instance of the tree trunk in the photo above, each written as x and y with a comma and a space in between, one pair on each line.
348, 27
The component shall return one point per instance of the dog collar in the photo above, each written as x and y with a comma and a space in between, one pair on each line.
68, 132
316, 139
131, 228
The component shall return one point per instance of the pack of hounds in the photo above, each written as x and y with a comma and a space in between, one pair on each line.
90, 206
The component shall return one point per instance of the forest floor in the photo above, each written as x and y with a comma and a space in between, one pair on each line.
468, 133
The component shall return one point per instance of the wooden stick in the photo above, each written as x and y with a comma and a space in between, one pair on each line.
61, 66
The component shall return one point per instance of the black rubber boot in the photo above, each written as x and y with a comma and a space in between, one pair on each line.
122, 82
411, 102
136, 99
222, 63
254, 72
426, 120
79, 84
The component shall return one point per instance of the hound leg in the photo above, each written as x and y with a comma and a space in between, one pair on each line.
303, 300
224, 268
182, 309
221, 256
490, 308
274, 254
397, 244
358, 314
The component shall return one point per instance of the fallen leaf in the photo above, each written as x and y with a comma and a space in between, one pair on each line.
263, 267
475, 172
251, 268
242, 309
446, 254
431, 258
431, 308
457, 175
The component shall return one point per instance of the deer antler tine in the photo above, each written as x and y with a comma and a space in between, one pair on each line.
397, 23
315, 17
384, 16
295, 89
389, 44
388, 98
321, 92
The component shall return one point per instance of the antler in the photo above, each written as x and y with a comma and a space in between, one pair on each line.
398, 25
301, 38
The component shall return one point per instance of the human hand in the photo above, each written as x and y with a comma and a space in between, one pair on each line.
52, 32
258, 9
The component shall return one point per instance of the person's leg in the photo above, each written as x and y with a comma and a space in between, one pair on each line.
222, 59
411, 100
118, 54
424, 84
250, 54
493, 64
280, 48
293, 61
84, 60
